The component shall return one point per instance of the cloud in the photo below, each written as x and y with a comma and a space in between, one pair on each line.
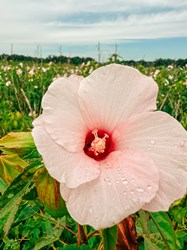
83, 21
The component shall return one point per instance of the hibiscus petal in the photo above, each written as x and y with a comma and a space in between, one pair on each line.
128, 180
113, 93
162, 138
73, 169
61, 114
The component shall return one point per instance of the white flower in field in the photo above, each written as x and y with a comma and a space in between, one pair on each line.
156, 73
170, 77
8, 83
170, 67
166, 83
19, 72
7, 68
44, 69
112, 153
31, 72
21, 65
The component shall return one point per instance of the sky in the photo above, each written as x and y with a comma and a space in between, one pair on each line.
139, 29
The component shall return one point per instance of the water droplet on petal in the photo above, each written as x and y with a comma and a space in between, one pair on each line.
149, 187
133, 180
132, 191
148, 148
107, 179
124, 192
124, 181
152, 142
109, 183
117, 181
139, 189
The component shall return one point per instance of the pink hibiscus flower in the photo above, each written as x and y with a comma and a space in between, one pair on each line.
112, 153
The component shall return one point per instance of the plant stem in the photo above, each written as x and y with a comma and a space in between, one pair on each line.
81, 238
160, 231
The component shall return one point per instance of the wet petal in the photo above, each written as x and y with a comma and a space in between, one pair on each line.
128, 180
113, 93
162, 138
73, 169
61, 113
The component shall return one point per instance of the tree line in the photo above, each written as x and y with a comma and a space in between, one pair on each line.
79, 60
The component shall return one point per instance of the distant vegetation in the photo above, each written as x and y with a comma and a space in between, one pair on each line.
79, 60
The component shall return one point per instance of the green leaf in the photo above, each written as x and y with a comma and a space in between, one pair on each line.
10, 167
149, 245
11, 216
50, 239
20, 143
3, 186
49, 193
44, 241
12, 197
181, 238
164, 226
21, 185
110, 238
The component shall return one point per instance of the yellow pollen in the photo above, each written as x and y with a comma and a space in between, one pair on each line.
98, 145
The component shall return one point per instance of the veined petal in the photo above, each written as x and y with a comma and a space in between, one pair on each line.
73, 169
61, 113
128, 180
113, 93
162, 138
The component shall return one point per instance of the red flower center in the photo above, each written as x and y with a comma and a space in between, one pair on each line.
98, 144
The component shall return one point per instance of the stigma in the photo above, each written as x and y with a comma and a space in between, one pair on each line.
98, 145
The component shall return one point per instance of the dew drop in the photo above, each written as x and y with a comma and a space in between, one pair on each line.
124, 181
139, 189
124, 192
117, 181
152, 142
107, 179
149, 187
133, 180
148, 148
109, 183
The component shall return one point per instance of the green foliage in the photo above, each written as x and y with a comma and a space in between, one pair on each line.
158, 232
10, 167
49, 194
110, 238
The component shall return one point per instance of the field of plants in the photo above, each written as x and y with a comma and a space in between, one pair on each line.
32, 213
